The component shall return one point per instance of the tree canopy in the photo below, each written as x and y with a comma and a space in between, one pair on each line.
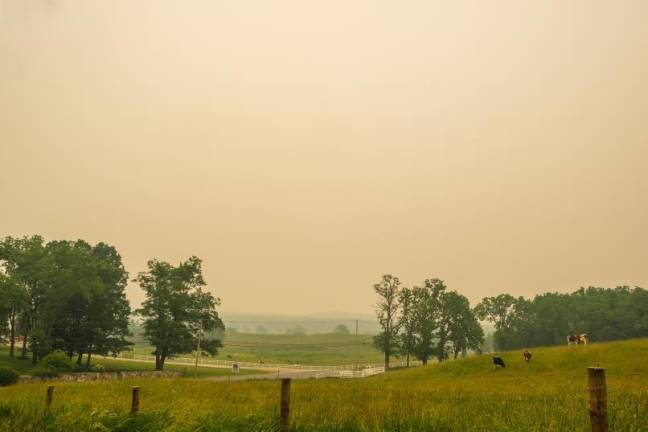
178, 316
426, 321
64, 295
603, 313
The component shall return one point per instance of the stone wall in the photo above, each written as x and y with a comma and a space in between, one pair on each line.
95, 376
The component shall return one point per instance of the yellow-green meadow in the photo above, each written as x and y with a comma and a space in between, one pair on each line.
550, 393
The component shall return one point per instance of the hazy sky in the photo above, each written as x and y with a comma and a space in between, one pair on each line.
302, 149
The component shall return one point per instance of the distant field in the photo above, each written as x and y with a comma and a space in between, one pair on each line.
25, 366
464, 395
317, 349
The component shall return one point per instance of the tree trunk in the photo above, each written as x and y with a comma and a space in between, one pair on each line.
79, 358
162, 361
89, 356
441, 348
386, 359
424, 360
12, 334
23, 354
159, 362
408, 359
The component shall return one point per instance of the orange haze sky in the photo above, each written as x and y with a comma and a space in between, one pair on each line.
302, 148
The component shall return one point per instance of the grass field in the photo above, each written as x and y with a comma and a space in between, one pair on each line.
547, 395
316, 349
111, 365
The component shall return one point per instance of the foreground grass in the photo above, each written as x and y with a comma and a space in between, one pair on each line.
25, 366
547, 395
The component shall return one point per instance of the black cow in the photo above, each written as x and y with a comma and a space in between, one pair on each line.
498, 361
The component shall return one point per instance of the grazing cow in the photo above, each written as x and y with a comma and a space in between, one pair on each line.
498, 361
527, 356
577, 339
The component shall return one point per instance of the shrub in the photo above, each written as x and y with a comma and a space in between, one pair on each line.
56, 361
8, 376
99, 368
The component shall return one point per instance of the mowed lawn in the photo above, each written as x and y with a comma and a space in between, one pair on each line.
316, 349
550, 394
113, 365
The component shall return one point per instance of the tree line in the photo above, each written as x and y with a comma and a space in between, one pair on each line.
431, 321
604, 314
70, 296
424, 322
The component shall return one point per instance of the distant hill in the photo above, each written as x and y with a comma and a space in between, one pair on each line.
310, 324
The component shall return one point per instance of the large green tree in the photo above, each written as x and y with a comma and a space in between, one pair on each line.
504, 311
436, 322
92, 309
388, 290
177, 313
65, 295
13, 301
407, 323
26, 261
459, 330
427, 310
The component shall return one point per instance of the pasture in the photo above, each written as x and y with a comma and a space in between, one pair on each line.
548, 394
316, 349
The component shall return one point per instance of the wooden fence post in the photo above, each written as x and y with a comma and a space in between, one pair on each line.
48, 398
285, 404
597, 399
135, 400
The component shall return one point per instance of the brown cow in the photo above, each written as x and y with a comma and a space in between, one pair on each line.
527, 356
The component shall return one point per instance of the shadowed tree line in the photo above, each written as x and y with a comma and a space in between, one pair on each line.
70, 296
605, 314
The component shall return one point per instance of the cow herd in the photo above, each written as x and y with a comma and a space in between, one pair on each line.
577, 339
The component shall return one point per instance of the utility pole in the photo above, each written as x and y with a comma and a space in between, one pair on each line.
356, 329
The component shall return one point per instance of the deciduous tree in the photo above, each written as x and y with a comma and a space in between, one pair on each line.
177, 312
388, 290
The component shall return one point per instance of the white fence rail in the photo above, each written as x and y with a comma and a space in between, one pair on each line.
358, 368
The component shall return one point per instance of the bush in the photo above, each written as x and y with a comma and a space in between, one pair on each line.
56, 361
8, 376
99, 368
44, 372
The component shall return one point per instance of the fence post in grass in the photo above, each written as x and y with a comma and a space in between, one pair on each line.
597, 399
49, 397
135, 400
285, 404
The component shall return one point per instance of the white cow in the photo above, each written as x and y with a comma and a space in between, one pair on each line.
577, 339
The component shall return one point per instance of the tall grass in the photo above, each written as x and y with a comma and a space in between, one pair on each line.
549, 394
